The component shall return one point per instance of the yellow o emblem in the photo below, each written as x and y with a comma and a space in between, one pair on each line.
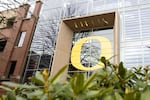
106, 51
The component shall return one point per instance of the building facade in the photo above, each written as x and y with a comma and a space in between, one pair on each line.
130, 45
16, 33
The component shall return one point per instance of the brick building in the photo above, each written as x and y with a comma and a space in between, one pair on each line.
16, 33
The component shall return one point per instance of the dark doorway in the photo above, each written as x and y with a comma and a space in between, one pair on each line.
11, 68
2, 44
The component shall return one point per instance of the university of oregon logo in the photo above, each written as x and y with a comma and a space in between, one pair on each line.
106, 50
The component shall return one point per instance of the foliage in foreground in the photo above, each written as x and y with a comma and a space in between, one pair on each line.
112, 82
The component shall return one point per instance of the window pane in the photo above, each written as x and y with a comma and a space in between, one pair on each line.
130, 2
144, 1
131, 25
110, 4
145, 21
21, 39
11, 68
33, 61
82, 8
2, 44
91, 49
98, 5
135, 37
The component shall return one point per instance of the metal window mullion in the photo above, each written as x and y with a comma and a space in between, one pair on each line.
29, 56
39, 60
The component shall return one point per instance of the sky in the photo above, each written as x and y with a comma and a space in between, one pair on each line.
10, 4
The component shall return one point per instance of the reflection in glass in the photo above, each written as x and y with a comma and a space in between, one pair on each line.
27, 75
45, 61
144, 1
33, 61
91, 49
130, 2
100, 5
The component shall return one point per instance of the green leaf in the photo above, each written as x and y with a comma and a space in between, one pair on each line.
130, 96
26, 86
106, 90
44, 97
141, 84
3, 97
11, 96
145, 95
10, 84
79, 82
34, 94
39, 77
108, 97
72, 82
37, 81
89, 81
60, 88
6, 88
117, 96
93, 93
58, 74
121, 70
20, 98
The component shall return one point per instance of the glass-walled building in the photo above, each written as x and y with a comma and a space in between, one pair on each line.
134, 32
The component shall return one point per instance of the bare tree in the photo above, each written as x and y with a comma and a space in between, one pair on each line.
7, 7
48, 27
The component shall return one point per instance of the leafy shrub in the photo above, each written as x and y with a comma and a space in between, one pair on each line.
112, 82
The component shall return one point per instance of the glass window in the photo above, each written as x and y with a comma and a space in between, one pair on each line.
135, 37
45, 37
2, 44
130, 2
98, 5
50, 4
144, 1
21, 39
70, 1
31, 9
131, 25
10, 21
82, 8
83, 1
6, 22
70, 10
110, 4
33, 61
11, 68
145, 22
28, 74
91, 49
52, 14
132, 55
146, 55
131, 46
45, 61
